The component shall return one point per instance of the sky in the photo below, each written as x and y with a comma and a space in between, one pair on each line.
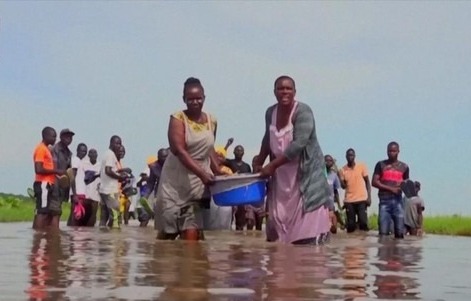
373, 72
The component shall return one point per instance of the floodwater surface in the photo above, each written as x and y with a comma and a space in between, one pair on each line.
129, 264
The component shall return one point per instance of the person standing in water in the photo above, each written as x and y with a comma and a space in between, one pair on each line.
63, 161
237, 165
334, 185
300, 209
78, 187
413, 208
354, 179
109, 186
254, 214
125, 186
48, 205
152, 183
92, 180
189, 168
155, 172
387, 177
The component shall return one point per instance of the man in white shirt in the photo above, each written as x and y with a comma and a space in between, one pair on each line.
77, 211
109, 186
92, 180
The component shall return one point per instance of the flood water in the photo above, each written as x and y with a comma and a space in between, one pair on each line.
129, 264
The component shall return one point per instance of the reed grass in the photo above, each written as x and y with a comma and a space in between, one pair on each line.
19, 208
438, 224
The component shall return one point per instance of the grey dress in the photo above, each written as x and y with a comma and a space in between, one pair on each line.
177, 207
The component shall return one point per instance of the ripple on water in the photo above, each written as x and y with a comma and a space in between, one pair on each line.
89, 264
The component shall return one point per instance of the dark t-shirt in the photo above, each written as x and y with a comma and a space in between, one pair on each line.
240, 167
62, 156
62, 160
154, 177
391, 174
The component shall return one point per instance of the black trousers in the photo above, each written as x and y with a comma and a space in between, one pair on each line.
356, 215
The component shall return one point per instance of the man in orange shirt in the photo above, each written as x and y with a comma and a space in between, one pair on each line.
354, 179
48, 205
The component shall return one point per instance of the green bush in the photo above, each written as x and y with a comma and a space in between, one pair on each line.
19, 208
10, 202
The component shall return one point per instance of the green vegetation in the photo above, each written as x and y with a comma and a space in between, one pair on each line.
439, 224
19, 208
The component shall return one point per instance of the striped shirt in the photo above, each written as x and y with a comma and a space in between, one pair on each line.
391, 174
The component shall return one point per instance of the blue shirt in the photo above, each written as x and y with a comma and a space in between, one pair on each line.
334, 183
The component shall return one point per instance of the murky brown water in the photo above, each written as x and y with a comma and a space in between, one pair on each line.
89, 264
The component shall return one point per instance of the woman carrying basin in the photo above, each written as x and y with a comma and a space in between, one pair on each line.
188, 169
300, 211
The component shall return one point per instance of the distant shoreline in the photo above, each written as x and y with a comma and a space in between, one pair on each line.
20, 208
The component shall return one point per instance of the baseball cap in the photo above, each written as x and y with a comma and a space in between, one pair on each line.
67, 132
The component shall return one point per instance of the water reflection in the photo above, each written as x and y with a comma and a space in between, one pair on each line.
398, 261
46, 262
297, 273
186, 271
355, 271
88, 264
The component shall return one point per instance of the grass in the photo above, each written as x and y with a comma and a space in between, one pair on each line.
438, 224
18, 208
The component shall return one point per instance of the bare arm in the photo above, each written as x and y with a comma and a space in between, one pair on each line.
265, 145
278, 162
420, 216
40, 170
214, 161
337, 198
110, 173
405, 176
176, 137
377, 184
72, 183
75, 165
343, 183
368, 189
420, 220
125, 169
228, 143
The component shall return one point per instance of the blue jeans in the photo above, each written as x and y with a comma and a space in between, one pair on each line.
391, 209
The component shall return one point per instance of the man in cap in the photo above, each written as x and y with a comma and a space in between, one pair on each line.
63, 161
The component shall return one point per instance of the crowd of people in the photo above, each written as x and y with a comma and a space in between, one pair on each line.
302, 206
